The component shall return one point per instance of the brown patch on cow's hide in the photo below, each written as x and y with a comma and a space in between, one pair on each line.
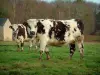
80, 25
60, 30
79, 39
51, 31
27, 26
40, 28
21, 31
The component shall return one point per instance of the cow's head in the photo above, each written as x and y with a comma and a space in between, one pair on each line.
31, 26
14, 28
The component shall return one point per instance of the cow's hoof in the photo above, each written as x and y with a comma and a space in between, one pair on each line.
30, 50
48, 58
70, 58
35, 50
40, 58
81, 58
22, 50
18, 50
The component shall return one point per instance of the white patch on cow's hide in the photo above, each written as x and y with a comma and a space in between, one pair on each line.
70, 38
73, 25
21, 25
59, 30
20, 39
47, 25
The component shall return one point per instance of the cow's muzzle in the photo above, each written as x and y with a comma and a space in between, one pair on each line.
72, 41
32, 33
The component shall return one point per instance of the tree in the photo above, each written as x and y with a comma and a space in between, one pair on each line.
79, 1
3, 13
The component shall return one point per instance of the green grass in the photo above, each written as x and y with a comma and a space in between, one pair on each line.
27, 63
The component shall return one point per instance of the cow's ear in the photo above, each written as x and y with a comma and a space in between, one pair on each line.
39, 24
10, 26
26, 24
77, 20
54, 23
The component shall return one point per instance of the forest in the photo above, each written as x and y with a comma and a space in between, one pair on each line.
19, 11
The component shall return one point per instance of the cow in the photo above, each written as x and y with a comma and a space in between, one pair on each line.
20, 34
57, 33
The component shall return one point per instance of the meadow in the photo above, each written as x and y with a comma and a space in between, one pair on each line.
27, 62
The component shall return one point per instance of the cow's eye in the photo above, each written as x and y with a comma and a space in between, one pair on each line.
74, 29
29, 27
68, 25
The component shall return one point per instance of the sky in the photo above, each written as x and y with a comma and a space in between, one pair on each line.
95, 1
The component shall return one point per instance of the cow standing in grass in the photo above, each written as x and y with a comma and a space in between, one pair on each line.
57, 33
20, 34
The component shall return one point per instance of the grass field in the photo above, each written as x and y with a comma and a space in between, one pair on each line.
27, 63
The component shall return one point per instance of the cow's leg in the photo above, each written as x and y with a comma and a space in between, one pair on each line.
35, 43
43, 44
31, 44
41, 53
18, 45
47, 53
72, 49
81, 46
22, 44
36, 47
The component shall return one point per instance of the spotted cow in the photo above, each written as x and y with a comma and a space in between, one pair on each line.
57, 33
20, 34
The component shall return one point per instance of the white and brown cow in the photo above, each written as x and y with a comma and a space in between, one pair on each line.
20, 34
57, 32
